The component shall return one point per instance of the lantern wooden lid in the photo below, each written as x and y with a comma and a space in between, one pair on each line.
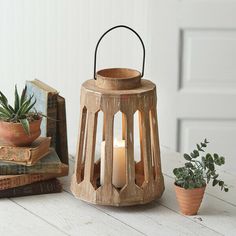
146, 87
118, 79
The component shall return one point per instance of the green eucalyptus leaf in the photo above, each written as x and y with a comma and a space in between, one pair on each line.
196, 153
192, 155
188, 165
199, 148
187, 157
209, 158
186, 185
203, 145
221, 183
205, 141
175, 171
222, 160
215, 182
211, 167
215, 176
191, 185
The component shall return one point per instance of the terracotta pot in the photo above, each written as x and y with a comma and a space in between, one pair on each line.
13, 134
189, 199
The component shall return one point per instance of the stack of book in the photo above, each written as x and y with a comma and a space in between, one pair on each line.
34, 169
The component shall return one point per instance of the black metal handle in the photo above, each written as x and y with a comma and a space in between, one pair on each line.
118, 26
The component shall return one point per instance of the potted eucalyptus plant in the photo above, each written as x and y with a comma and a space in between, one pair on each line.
19, 124
192, 178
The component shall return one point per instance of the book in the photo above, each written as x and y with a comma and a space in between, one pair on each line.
12, 181
50, 163
26, 155
61, 136
46, 97
42, 187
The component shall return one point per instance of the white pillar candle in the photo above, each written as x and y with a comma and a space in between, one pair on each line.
119, 163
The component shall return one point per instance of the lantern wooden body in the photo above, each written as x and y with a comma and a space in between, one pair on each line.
118, 90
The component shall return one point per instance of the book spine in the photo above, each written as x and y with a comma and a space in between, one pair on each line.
61, 138
12, 181
38, 168
51, 121
44, 187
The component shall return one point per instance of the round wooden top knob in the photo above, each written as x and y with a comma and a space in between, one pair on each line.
118, 79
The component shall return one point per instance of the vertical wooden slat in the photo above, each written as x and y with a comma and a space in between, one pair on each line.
104, 128
108, 148
155, 143
129, 137
80, 145
123, 126
90, 146
146, 145
140, 137
130, 192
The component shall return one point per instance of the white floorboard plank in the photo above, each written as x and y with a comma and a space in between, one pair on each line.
153, 219
17, 221
74, 216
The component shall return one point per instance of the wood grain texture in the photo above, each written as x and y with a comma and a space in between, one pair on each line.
13, 221
144, 180
118, 78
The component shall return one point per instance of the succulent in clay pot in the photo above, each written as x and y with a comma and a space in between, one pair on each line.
19, 124
192, 178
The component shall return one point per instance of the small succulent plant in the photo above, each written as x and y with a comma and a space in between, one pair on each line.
200, 169
21, 111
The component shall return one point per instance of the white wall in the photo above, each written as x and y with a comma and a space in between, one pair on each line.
54, 41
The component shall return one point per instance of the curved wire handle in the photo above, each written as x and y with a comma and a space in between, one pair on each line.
118, 26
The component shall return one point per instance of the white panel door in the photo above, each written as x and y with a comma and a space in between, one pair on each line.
194, 60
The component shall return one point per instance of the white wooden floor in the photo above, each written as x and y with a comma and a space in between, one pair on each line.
62, 214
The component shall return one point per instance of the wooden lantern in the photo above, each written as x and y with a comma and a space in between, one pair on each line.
114, 90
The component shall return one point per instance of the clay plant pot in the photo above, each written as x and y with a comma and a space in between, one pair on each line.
189, 199
13, 134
